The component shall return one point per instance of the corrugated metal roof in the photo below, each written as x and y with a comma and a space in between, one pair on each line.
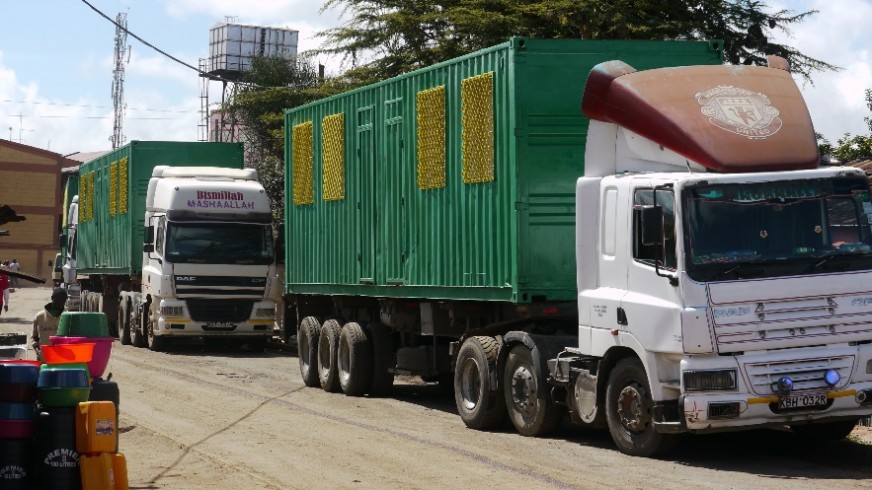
86, 156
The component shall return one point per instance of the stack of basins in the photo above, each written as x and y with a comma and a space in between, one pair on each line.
64, 382
18, 395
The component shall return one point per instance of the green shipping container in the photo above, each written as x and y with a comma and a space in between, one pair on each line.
112, 192
455, 181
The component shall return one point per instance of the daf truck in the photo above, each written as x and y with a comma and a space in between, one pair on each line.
174, 240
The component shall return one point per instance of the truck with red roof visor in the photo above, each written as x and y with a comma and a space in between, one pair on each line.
729, 282
702, 273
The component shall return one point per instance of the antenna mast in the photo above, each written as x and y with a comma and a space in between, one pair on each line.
117, 137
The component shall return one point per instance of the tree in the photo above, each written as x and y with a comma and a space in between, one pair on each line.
851, 147
397, 36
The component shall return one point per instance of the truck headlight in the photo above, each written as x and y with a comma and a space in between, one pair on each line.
265, 312
172, 311
723, 379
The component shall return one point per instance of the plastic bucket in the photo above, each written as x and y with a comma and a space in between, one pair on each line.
100, 356
16, 429
64, 354
57, 461
17, 411
15, 464
83, 324
18, 373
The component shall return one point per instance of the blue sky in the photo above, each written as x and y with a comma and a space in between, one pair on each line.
56, 62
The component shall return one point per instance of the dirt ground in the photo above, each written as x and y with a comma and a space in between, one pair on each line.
198, 419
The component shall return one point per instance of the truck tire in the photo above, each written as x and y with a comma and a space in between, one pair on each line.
531, 412
382, 342
139, 337
124, 324
479, 406
354, 360
820, 433
328, 346
155, 343
629, 408
307, 350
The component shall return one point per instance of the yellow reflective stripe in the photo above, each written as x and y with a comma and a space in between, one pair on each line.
176, 320
774, 399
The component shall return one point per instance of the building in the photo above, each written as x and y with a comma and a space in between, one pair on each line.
30, 183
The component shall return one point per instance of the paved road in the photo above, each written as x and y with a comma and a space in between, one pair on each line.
193, 418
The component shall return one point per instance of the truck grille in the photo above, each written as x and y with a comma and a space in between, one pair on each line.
806, 374
219, 310
223, 286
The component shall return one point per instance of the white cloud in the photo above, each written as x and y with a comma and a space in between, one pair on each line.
838, 34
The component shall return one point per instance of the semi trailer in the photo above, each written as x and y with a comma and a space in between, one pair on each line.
630, 234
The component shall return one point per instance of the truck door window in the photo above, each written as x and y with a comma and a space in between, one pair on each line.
159, 237
648, 253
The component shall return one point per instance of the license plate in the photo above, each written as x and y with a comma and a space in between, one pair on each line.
220, 326
803, 401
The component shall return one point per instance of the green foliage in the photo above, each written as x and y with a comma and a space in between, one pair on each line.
850, 147
397, 36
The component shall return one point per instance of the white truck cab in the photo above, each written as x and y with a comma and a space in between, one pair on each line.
724, 279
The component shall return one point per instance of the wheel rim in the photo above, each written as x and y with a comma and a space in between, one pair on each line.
470, 384
344, 359
303, 348
324, 354
633, 409
524, 391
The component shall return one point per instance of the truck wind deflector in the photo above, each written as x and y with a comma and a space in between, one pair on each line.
725, 118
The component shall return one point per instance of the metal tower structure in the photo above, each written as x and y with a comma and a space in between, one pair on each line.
117, 137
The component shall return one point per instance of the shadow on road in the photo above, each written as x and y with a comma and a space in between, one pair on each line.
769, 453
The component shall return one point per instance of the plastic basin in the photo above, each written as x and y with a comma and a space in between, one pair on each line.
63, 397
19, 373
83, 324
102, 350
17, 411
18, 393
16, 429
67, 353
63, 378
72, 365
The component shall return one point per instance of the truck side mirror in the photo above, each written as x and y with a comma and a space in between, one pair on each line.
148, 246
651, 218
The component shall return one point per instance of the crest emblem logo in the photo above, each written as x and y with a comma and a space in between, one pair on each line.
740, 111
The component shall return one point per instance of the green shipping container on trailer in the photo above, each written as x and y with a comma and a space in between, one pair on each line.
456, 181
112, 192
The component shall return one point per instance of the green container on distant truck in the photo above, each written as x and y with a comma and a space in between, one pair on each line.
174, 239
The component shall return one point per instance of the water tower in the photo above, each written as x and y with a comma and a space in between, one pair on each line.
231, 49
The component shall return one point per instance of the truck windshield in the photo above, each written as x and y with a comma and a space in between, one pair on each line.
219, 243
737, 231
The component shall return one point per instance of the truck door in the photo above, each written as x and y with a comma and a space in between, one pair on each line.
653, 303
366, 196
604, 301
395, 180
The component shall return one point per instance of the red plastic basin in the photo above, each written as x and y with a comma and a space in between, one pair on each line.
16, 429
100, 355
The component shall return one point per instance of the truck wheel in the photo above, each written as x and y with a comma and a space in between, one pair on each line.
155, 343
328, 345
381, 340
629, 408
135, 324
124, 324
479, 407
819, 433
307, 350
531, 412
354, 360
